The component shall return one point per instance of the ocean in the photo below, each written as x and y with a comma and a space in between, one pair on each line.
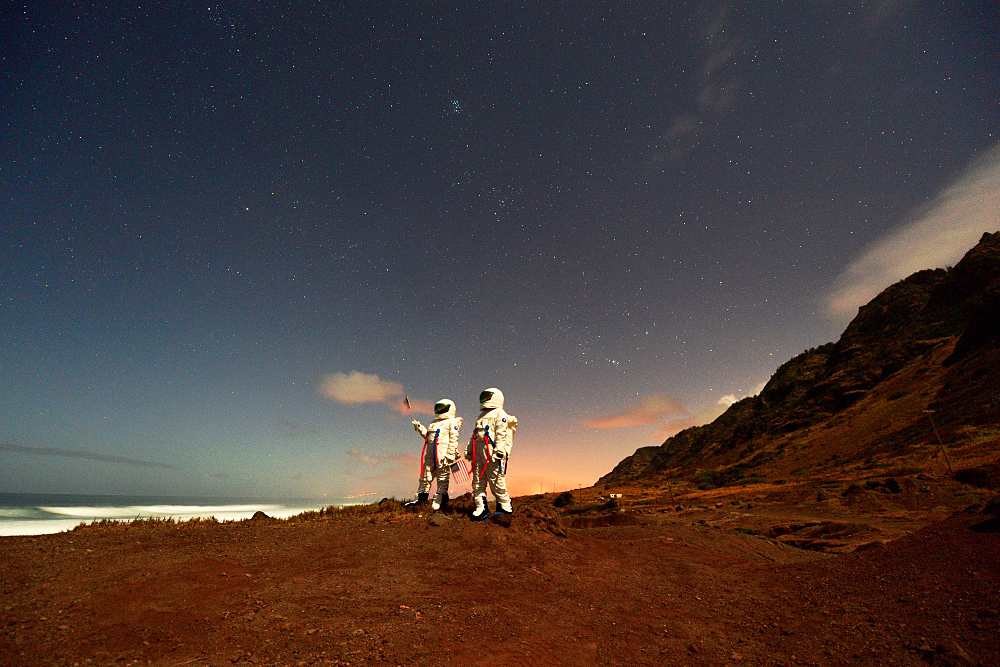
40, 514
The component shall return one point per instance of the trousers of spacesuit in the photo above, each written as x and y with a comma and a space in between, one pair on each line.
495, 477
442, 475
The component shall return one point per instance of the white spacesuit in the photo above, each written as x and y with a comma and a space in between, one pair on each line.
489, 451
440, 452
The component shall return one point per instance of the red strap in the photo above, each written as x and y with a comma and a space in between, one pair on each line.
486, 450
473, 449
422, 452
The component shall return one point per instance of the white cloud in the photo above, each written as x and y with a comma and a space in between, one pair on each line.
358, 387
77, 454
936, 235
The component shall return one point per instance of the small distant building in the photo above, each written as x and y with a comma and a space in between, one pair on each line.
616, 496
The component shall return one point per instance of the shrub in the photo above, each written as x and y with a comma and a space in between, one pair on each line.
563, 499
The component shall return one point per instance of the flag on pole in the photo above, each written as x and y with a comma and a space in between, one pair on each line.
461, 471
407, 410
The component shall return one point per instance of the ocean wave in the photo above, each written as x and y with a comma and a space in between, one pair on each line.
14, 528
164, 510
88, 512
46, 519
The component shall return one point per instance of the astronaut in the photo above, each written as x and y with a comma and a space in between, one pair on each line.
489, 450
440, 452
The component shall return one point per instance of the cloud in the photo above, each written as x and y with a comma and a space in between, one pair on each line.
683, 127
881, 14
76, 454
357, 387
717, 78
651, 410
717, 82
665, 411
383, 470
357, 458
706, 416
935, 235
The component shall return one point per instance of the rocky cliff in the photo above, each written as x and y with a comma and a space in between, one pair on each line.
931, 342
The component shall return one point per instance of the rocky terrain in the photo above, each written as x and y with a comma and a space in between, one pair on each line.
646, 584
848, 515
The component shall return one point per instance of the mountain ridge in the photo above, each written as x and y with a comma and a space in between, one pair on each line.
929, 342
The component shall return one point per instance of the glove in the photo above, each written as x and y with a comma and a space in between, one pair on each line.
498, 456
419, 428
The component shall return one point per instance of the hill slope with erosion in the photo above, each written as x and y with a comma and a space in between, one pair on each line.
931, 342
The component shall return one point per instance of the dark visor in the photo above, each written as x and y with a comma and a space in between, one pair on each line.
485, 396
441, 408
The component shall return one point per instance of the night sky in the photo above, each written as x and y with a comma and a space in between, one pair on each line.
233, 236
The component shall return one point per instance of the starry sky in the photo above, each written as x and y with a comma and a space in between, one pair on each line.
235, 235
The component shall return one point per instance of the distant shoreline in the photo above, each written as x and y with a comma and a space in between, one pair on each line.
48, 513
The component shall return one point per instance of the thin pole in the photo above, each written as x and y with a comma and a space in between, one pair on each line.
930, 413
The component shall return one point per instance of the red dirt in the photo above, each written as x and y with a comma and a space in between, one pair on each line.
393, 589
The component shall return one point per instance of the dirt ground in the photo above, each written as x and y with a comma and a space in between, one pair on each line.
722, 581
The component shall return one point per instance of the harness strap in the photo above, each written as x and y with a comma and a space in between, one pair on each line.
437, 433
486, 450
423, 452
472, 442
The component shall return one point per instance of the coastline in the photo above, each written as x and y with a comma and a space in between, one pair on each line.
43, 514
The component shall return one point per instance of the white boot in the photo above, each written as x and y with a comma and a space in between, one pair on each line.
482, 511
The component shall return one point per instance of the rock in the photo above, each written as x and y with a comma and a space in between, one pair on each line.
953, 654
438, 519
551, 523
502, 519
822, 495
258, 516
891, 484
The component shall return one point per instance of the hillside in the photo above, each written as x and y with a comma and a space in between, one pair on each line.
931, 342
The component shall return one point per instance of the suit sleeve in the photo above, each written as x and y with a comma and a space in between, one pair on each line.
453, 436
505, 425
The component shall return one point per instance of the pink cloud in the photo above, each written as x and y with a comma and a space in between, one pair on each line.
651, 410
